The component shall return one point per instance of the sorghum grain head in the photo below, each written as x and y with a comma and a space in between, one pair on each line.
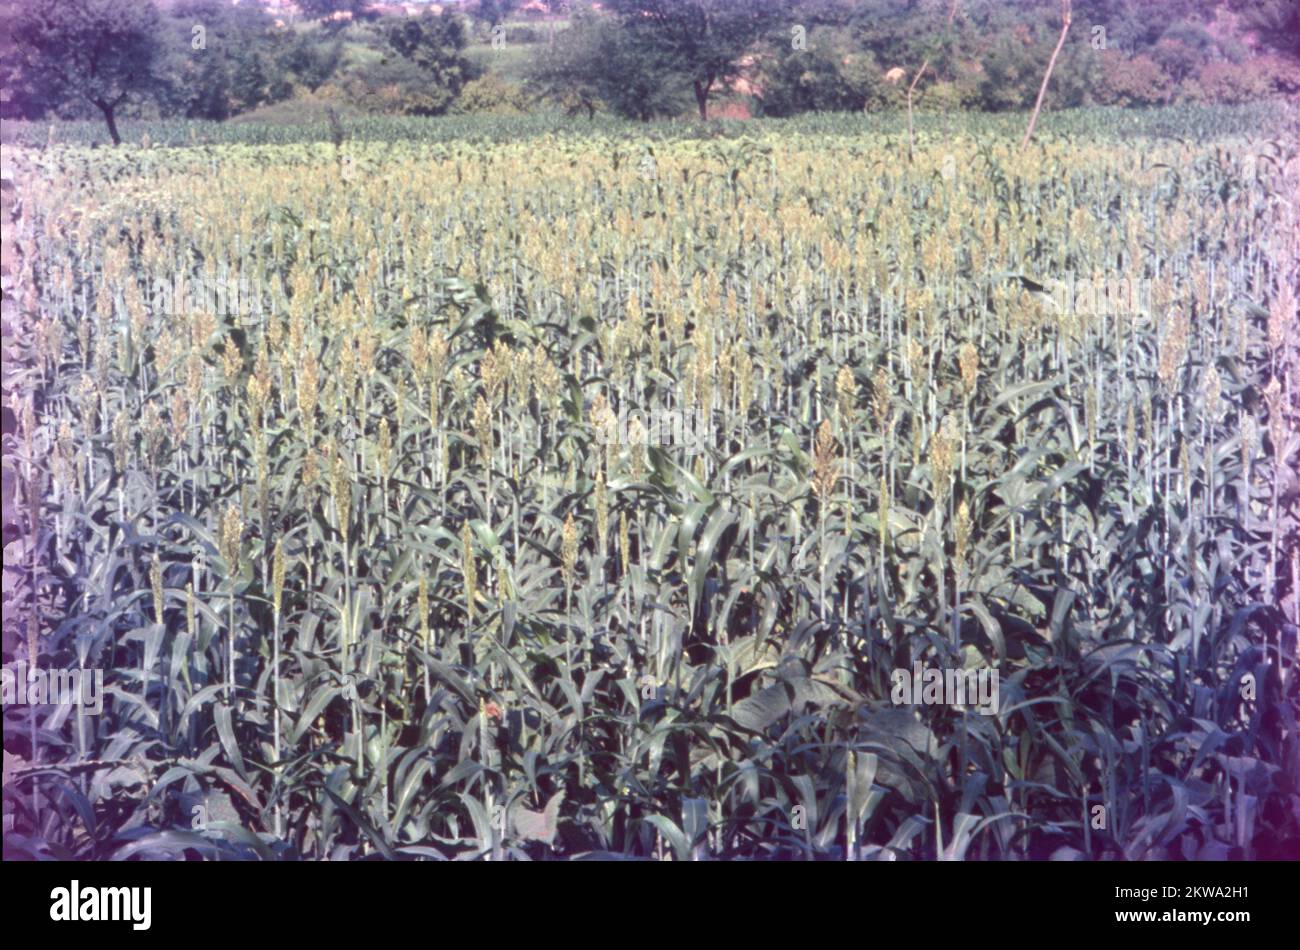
602, 510
823, 475
569, 549
846, 395
880, 397
968, 360
961, 533
469, 570
156, 583
1213, 391
277, 576
232, 529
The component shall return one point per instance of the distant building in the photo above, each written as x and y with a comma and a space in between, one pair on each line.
404, 9
288, 9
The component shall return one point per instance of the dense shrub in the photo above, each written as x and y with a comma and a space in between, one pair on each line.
306, 109
939, 97
1178, 60
492, 94
1132, 81
1008, 75
394, 86
1236, 83
830, 75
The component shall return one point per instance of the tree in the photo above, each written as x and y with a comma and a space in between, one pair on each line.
637, 80
595, 61
223, 58
829, 74
435, 45
305, 59
1275, 22
334, 13
21, 95
495, 11
106, 52
705, 40
568, 70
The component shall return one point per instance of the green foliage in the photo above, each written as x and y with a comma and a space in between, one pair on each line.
285, 123
224, 60
24, 93
335, 13
434, 46
394, 86
104, 52
595, 63
1249, 81
491, 94
648, 59
703, 41
301, 112
830, 75
1275, 22
494, 12
565, 72
1138, 80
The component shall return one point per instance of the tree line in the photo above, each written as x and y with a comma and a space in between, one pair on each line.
212, 59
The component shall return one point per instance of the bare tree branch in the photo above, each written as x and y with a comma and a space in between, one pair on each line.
911, 142
1067, 15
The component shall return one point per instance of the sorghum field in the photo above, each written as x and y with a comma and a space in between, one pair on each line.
578, 496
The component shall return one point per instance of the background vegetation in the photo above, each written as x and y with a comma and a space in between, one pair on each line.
641, 59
